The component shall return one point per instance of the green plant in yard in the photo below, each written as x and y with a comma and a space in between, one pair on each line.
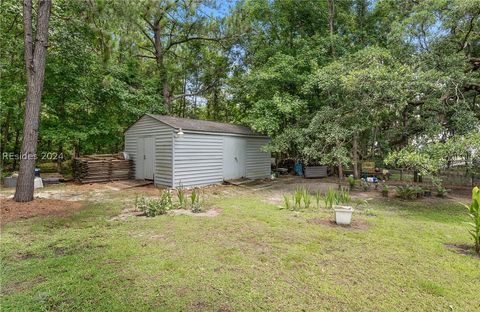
154, 207
343, 197
307, 198
330, 198
297, 196
441, 191
318, 198
365, 186
406, 192
165, 201
195, 201
474, 213
140, 202
286, 201
351, 181
385, 190
182, 198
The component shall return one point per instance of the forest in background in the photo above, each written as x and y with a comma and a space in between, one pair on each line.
331, 81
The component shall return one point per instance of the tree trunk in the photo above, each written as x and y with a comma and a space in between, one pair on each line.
157, 36
356, 174
59, 158
331, 17
35, 56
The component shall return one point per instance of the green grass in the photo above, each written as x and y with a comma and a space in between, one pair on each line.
253, 256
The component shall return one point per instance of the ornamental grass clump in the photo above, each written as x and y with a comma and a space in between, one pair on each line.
195, 201
297, 197
286, 201
474, 214
307, 198
182, 198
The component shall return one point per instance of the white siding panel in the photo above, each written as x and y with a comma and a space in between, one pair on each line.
149, 127
198, 160
257, 161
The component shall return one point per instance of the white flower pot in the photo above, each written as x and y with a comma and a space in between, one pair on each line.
343, 214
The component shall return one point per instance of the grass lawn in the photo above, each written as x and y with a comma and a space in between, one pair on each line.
252, 256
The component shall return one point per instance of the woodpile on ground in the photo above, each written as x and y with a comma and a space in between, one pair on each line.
102, 168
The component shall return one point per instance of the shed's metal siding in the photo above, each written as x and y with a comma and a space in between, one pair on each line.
198, 160
257, 161
149, 127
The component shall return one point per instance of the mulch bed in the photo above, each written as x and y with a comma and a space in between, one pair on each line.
11, 210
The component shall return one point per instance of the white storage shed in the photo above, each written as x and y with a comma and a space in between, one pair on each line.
173, 151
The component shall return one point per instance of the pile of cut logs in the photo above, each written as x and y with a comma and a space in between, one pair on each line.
102, 168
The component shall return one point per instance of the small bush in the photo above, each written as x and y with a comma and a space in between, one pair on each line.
154, 207
441, 191
351, 181
385, 190
365, 186
406, 192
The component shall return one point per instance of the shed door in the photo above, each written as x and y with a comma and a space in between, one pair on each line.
234, 151
148, 158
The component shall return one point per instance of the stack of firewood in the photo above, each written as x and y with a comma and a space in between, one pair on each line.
102, 168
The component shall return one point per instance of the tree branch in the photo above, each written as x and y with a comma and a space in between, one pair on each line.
470, 28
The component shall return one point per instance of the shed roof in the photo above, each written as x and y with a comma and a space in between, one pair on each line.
204, 125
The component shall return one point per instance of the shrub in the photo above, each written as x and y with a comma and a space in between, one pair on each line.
406, 192
365, 186
154, 207
441, 191
351, 181
140, 202
195, 203
385, 190
474, 213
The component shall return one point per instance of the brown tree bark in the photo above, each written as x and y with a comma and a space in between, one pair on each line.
35, 56
159, 53
331, 25
356, 173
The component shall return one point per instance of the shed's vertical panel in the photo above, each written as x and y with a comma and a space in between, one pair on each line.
150, 127
198, 160
257, 161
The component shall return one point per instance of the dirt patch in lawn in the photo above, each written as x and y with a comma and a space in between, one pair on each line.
11, 210
207, 213
21, 286
355, 225
463, 249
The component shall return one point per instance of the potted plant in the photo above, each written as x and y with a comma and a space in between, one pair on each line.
343, 211
343, 214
